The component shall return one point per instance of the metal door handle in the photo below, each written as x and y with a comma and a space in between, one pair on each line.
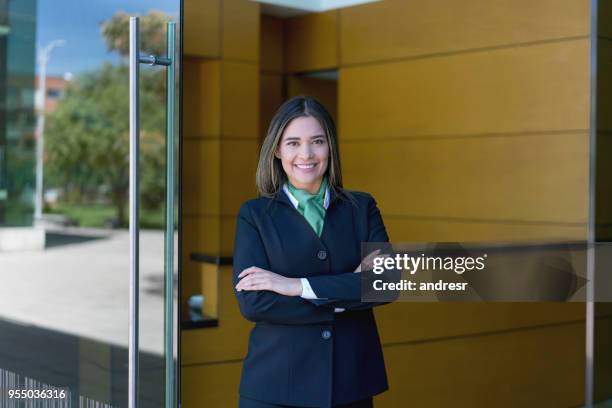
169, 61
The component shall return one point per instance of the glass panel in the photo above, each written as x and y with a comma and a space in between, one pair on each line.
65, 274
602, 316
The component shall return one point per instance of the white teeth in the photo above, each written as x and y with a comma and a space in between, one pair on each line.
305, 166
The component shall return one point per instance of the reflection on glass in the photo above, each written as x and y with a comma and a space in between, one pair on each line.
17, 119
602, 316
64, 292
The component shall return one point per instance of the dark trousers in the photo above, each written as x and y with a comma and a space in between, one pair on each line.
251, 403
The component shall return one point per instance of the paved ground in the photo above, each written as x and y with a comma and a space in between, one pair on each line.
80, 287
64, 315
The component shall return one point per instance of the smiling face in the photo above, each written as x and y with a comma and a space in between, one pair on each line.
304, 153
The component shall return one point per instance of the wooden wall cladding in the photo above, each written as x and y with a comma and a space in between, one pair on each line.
272, 44
397, 29
324, 90
271, 96
535, 367
240, 100
435, 321
201, 28
517, 178
240, 30
201, 177
214, 385
536, 88
202, 98
311, 42
228, 341
238, 166
443, 229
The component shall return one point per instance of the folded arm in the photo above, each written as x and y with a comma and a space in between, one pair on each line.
344, 290
264, 305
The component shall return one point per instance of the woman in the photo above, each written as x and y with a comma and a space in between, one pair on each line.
297, 247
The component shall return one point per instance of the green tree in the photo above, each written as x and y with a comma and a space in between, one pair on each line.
87, 138
116, 33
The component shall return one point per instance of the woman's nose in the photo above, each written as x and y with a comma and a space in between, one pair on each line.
306, 151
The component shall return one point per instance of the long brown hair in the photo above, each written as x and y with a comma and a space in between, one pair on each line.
270, 175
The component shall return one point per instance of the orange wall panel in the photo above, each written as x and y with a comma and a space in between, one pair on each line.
399, 29
201, 98
326, 91
540, 178
272, 43
311, 42
441, 229
536, 88
539, 367
201, 28
240, 100
240, 30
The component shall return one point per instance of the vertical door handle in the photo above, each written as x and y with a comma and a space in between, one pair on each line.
169, 61
134, 230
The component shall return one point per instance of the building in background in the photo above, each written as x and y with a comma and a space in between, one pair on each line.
56, 88
17, 124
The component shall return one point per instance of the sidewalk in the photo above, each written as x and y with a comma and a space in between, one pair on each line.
82, 288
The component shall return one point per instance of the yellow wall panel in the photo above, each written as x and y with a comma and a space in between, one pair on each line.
535, 88
427, 322
421, 229
240, 100
214, 386
228, 233
270, 99
229, 340
532, 368
238, 166
511, 369
311, 42
393, 29
201, 98
201, 27
201, 177
240, 25
201, 234
191, 283
531, 178
209, 276
420, 321
326, 91
271, 47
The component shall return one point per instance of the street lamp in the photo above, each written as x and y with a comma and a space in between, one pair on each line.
43, 59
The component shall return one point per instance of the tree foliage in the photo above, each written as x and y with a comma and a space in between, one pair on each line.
116, 33
87, 138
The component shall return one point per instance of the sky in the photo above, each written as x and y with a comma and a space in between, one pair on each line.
78, 23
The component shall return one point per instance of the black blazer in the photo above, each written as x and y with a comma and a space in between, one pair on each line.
300, 352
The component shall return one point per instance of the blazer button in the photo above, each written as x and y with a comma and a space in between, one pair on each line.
326, 334
322, 255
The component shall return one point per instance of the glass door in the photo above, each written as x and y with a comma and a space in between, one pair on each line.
70, 311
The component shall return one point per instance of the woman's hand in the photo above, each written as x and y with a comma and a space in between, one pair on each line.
255, 278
